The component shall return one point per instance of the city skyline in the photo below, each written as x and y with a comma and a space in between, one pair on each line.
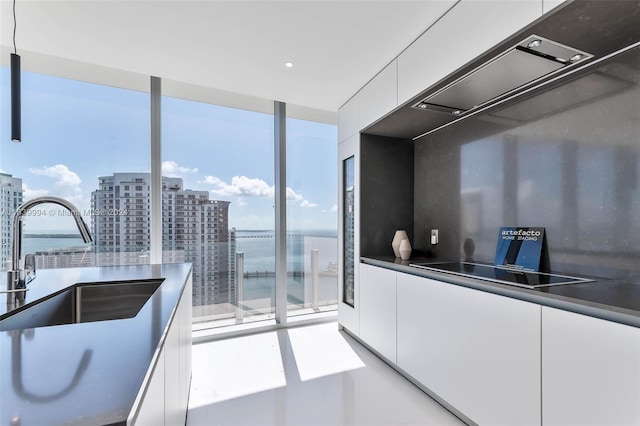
75, 132
195, 229
10, 199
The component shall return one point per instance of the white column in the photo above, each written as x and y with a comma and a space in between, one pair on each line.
315, 278
239, 285
280, 143
155, 203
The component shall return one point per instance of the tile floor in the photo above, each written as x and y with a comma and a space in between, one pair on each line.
312, 375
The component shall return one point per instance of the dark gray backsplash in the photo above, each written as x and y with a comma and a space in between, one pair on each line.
565, 158
386, 196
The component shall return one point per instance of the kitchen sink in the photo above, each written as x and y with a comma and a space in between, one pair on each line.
84, 302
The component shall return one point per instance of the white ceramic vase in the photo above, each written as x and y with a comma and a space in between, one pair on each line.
400, 235
405, 249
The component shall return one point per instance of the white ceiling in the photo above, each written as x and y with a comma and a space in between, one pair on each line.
236, 46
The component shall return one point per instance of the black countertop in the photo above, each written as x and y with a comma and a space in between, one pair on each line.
607, 299
87, 373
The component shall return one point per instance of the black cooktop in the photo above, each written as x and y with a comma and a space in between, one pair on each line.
492, 273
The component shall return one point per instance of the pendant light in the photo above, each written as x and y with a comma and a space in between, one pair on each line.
16, 108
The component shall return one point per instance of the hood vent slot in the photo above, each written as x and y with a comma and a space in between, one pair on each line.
523, 64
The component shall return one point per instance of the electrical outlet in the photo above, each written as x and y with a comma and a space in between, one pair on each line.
434, 237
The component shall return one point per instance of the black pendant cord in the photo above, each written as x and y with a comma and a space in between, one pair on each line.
16, 108
15, 25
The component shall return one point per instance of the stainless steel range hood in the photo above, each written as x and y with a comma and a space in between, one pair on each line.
525, 63
571, 37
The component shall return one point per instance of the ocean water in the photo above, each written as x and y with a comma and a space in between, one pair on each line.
258, 247
259, 257
31, 245
259, 253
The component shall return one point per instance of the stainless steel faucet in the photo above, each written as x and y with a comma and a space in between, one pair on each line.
18, 277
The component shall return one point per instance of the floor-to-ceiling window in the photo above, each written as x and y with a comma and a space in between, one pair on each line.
312, 240
88, 144
91, 144
218, 198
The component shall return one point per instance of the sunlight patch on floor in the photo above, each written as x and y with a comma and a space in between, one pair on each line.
321, 351
236, 367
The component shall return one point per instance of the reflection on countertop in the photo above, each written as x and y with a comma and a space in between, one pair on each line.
85, 373
502, 275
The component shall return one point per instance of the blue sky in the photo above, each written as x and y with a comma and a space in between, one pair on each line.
74, 132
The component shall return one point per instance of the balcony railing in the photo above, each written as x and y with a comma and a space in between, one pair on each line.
229, 277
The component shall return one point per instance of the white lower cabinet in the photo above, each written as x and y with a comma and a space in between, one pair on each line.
151, 412
590, 370
478, 351
186, 343
165, 399
173, 413
378, 309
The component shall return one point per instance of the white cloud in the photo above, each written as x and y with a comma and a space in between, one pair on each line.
333, 209
32, 193
249, 187
173, 169
64, 176
243, 186
211, 180
293, 195
67, 182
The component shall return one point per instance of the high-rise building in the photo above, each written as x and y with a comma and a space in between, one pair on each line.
120, 217
10, 199
194, 229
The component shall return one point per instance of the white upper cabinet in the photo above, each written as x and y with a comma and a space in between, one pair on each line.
377, 98
348, 119
380, 96
468, 30
547, 5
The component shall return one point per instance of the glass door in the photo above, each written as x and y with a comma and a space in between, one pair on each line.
348, 230
349, 234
